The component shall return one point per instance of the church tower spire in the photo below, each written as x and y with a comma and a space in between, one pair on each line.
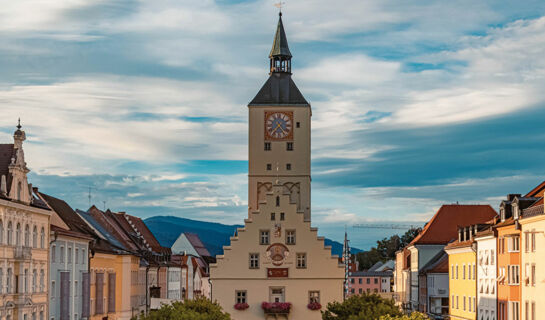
280, 56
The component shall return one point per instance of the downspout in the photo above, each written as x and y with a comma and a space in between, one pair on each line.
147, 289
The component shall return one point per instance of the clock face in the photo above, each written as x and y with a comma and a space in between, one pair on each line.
279, 125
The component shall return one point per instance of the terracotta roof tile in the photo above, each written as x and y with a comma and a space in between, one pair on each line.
537, 191
443, 226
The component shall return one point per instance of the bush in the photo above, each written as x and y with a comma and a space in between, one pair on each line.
198, 309
361, 307
413, 316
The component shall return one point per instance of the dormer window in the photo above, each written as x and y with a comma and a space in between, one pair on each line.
516, 211
502, 214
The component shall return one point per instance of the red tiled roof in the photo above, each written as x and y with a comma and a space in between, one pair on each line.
107, 220
537, 191
443, 227
459, 244
146, 233
537, 203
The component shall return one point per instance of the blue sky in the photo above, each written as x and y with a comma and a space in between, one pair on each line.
415, 103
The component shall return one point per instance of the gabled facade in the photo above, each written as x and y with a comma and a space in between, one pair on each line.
24, 238
509, 260
533, 257
434, 286
486, 274
438, 232
277, 257
69, 262
462, 259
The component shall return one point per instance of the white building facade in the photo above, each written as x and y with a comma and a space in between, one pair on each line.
486, 276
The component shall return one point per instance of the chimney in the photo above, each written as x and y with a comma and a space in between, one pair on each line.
512, 196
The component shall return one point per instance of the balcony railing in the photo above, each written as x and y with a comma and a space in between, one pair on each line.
22, 253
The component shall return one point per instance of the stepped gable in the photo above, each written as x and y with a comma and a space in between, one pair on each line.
443, 227
293, 219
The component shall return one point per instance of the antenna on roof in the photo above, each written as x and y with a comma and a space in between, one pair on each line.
104, 202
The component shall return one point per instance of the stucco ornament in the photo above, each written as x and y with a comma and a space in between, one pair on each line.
277, 253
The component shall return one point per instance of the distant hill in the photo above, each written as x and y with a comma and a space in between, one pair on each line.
213, 235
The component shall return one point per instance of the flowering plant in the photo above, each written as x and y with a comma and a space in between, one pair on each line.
279, 307
314, 306
241, 306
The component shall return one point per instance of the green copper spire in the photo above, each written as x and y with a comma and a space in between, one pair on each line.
280, 44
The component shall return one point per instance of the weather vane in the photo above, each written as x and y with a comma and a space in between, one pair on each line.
280, 5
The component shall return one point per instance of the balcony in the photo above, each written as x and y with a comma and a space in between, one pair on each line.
22, 253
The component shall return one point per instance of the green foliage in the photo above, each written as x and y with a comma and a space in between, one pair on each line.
385, 249
198, 309
361, 307
413, 316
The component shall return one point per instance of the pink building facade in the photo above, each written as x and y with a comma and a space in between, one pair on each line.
369, 282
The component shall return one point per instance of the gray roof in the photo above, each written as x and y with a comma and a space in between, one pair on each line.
280, 43
372, 274
279, 90
375, 266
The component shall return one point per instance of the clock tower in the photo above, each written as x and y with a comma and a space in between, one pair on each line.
279, 134
276, 266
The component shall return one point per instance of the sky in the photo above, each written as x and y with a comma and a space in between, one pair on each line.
414, 103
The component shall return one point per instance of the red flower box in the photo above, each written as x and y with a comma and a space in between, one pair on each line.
276, 307
314, 306
241, 306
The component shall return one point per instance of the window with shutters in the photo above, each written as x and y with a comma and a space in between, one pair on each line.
99, 293
111, 292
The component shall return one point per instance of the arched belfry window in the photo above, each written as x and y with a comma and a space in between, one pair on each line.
19, 190
277, 201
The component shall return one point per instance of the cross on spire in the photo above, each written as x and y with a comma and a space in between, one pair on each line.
280, 5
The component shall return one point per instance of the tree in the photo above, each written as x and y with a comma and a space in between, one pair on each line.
413, 316
361, 307
385, 249
198, 309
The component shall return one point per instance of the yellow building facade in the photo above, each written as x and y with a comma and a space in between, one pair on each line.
24, 238
462, 280
112, 273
